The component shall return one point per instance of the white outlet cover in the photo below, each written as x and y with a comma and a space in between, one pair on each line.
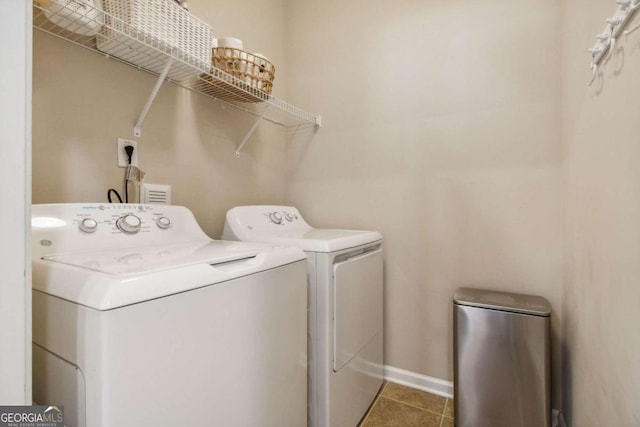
122, 155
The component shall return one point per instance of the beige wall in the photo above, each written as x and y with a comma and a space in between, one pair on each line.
82, 102
441, 129
602, 292
446, 125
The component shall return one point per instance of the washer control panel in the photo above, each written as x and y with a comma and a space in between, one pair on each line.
95, 226
128, 219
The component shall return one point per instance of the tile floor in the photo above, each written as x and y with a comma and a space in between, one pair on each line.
400, 406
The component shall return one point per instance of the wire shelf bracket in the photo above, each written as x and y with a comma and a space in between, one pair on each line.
137, 129
251, 130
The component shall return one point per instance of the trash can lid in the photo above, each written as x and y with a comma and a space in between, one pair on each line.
505, 301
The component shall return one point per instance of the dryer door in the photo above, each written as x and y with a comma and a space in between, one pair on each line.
357, 304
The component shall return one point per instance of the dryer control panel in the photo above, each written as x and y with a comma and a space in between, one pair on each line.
281, 217
267, 220
283, 225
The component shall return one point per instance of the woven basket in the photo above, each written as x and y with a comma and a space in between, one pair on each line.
256, 71
135, 30
252, 76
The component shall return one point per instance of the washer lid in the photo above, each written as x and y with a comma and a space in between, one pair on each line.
505, 301
111, 279
143, 260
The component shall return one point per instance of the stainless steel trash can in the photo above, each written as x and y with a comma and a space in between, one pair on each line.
501, 359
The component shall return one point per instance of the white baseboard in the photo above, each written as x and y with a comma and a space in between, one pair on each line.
419, 381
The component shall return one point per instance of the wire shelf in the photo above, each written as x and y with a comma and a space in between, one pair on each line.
152, 54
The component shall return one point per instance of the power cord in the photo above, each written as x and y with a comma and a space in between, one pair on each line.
129, 150
126, 189
111, 190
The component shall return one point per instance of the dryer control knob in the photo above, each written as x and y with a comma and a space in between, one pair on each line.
129, 224
163, 222
275, 217
88, 225
288, 216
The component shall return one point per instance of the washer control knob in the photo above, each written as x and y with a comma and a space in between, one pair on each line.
129, 224
88, 225
275, 217
163, 222
288, 216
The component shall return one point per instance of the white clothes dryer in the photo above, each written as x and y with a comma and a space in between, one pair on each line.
345, 307
140, 319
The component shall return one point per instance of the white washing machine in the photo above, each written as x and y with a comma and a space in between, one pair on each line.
345, 307
139, 319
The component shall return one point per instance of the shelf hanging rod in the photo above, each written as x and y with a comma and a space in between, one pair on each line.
137, 130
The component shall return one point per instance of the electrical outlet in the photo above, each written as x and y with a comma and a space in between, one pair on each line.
123, 159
